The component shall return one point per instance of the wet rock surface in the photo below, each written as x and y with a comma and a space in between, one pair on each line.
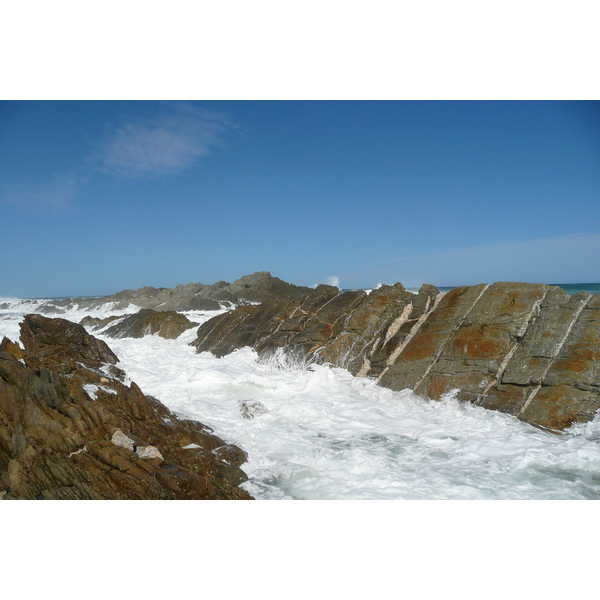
167, 324
530, 350
72, 427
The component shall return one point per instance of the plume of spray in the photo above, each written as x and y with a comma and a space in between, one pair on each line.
333, 280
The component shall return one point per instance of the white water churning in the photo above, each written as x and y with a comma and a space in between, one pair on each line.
321, 433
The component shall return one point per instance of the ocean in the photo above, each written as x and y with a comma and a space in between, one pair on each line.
571, 288
318, 433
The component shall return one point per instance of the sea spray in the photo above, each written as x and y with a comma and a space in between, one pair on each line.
324, 434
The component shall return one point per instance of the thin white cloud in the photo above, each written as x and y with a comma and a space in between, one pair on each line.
559, 259
58, 193
161, 145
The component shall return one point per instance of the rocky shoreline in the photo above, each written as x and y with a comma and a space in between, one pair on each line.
255, 288
529, 350
72, 426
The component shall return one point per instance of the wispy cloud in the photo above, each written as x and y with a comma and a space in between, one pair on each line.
560, 259
140, 147
58, 193
164, 144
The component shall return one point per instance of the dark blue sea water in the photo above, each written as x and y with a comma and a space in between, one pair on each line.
571, 288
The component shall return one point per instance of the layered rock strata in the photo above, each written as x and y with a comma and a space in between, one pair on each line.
530, 350
73, 427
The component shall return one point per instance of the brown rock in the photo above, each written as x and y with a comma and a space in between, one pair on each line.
59, 441
529, 350
41, 336
167, 324
244, 326
12, 348
95, 323
324, 326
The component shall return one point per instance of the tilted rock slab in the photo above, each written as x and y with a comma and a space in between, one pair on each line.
71, 427
529, 350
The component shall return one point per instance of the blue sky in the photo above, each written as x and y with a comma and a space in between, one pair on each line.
96, 197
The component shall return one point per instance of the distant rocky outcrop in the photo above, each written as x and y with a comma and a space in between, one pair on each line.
167, 324
96, 323
257, 287
530, 350
260, 287
71, 427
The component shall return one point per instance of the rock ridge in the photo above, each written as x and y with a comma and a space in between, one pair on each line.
257, 287
73, 427
529, 350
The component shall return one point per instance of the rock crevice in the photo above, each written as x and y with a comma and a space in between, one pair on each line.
529, 350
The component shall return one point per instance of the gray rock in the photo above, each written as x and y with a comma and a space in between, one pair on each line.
262, 286
258, 287
120, 439
96, 323
251, 409
149, 452
167, 324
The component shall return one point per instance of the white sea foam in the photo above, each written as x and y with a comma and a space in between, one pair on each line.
323, 434
15, 307
12, 311
333, 280
91, 390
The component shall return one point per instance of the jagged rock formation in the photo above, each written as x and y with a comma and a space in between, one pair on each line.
72, 428
325, 325
530, 350
258, 287
167, 324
